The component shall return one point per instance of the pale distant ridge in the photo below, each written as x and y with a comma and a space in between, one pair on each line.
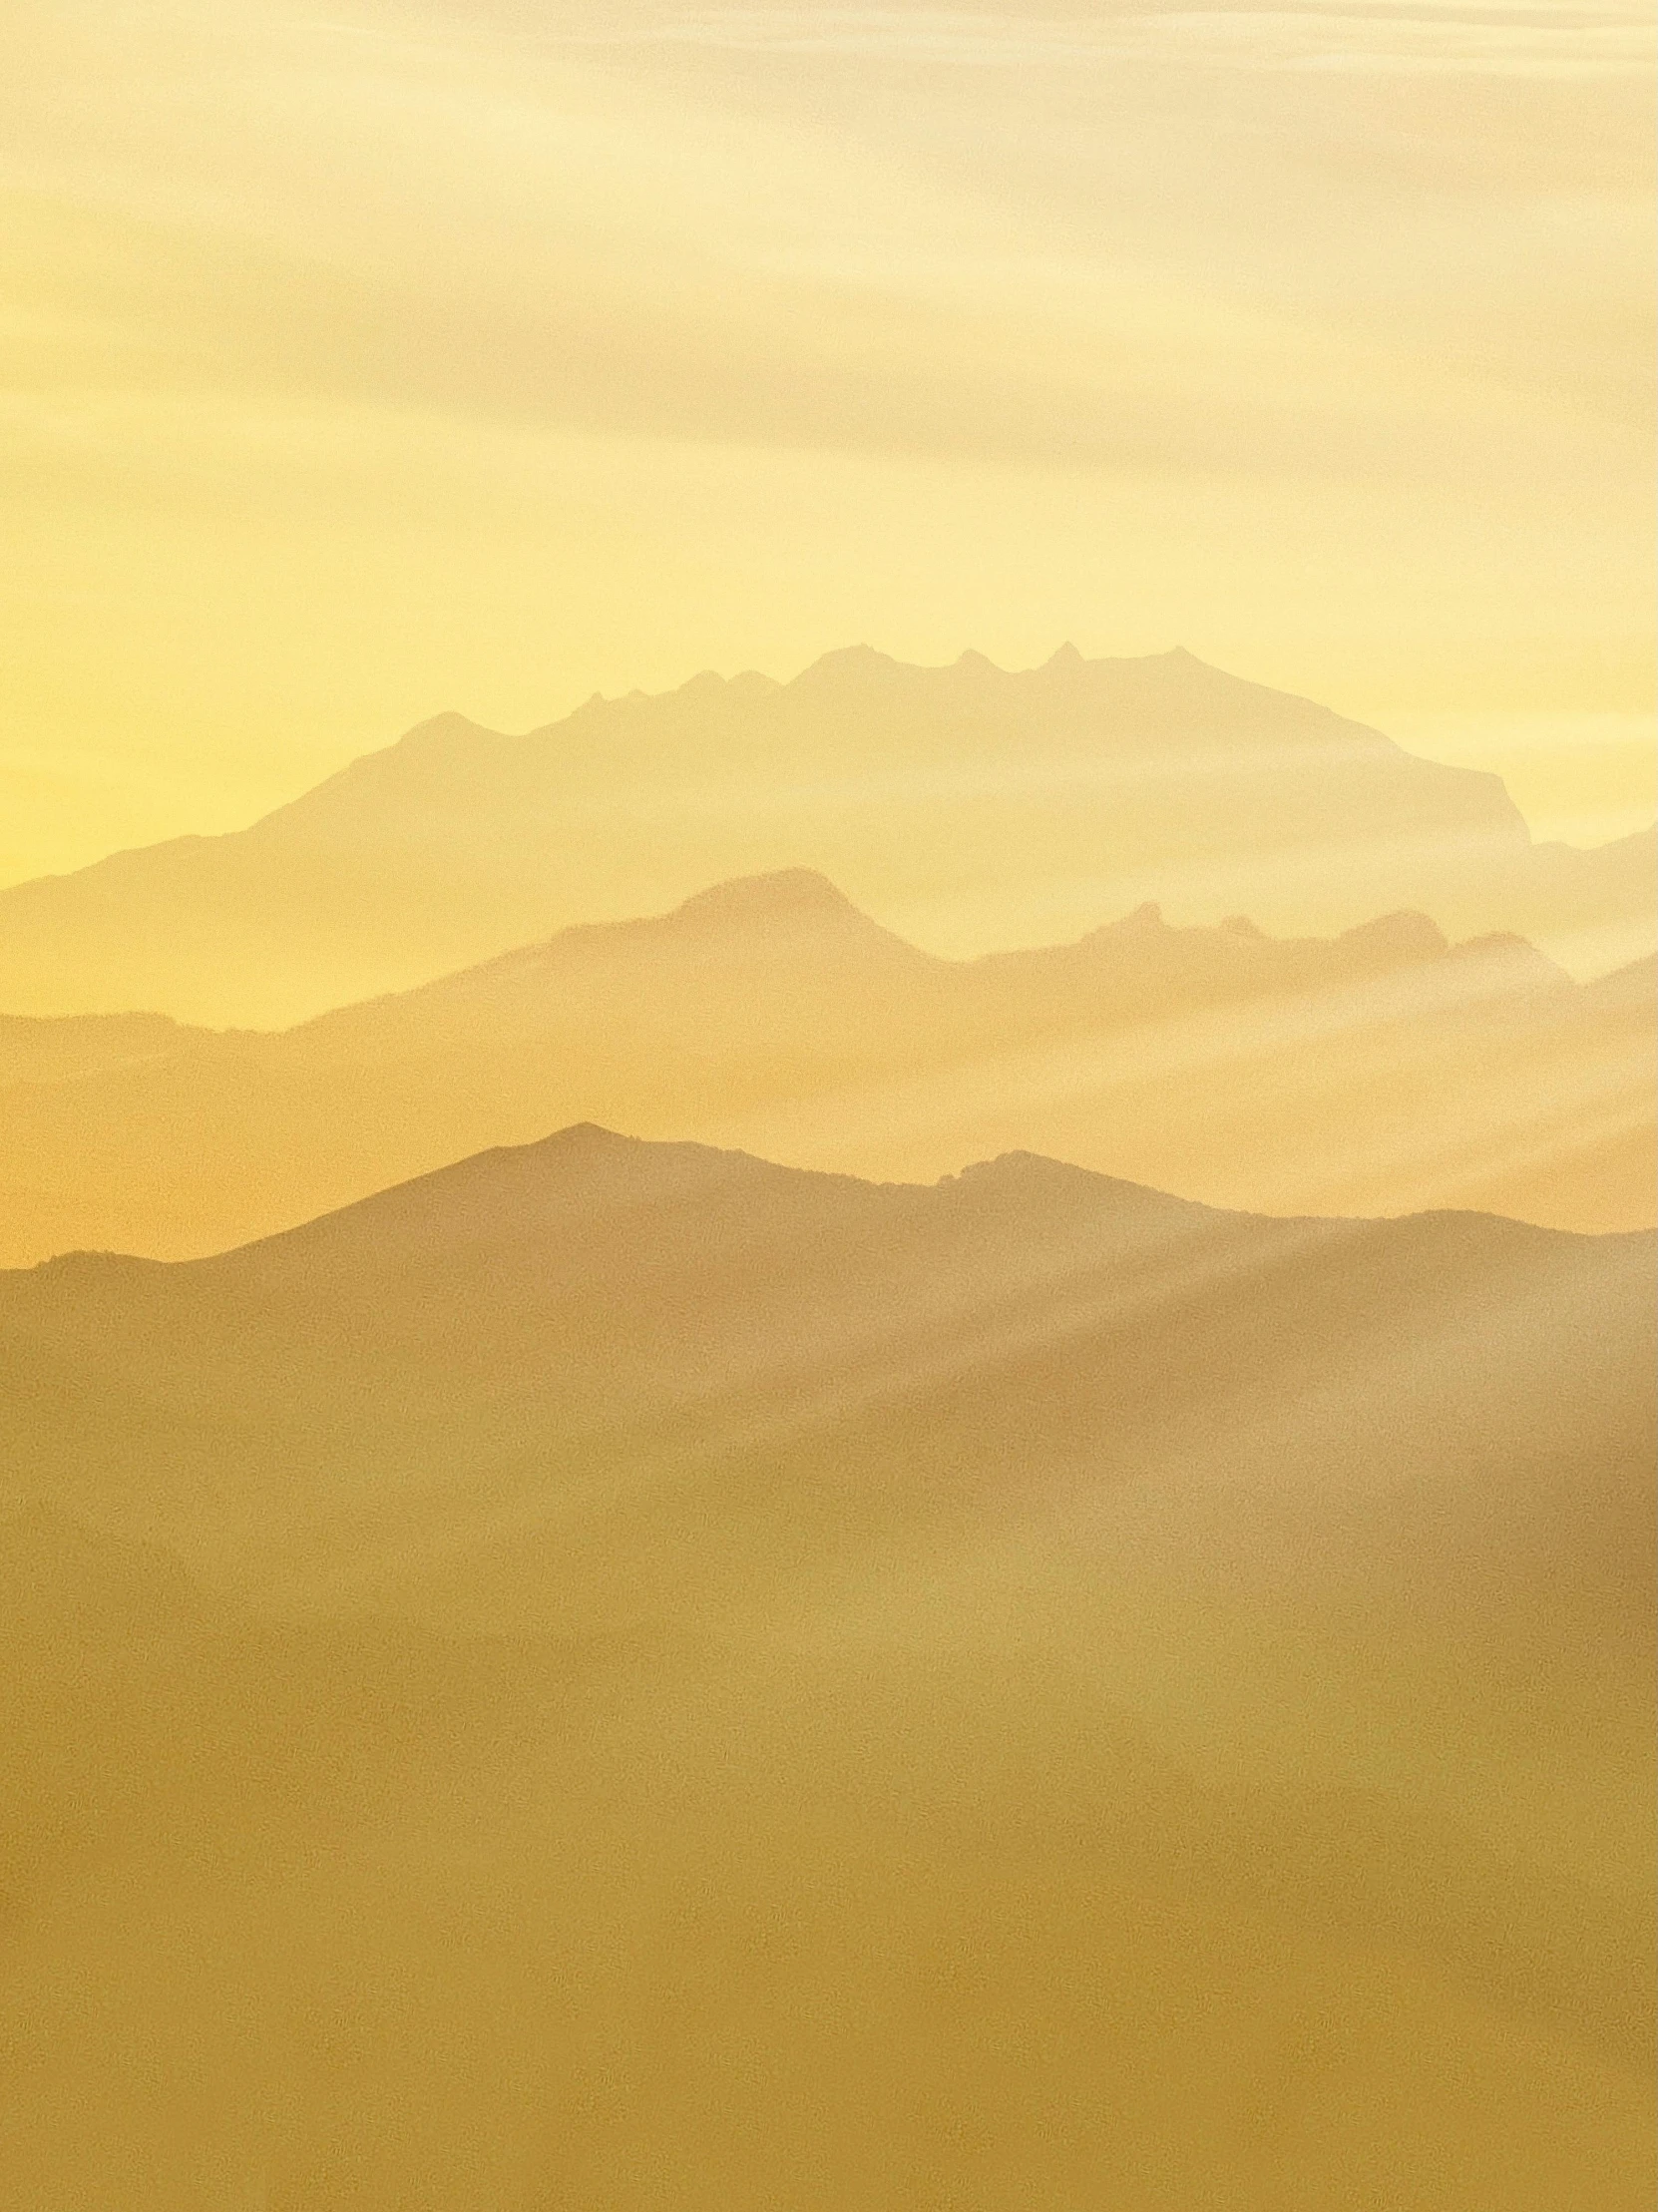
39, 1048
785, 894
971, 808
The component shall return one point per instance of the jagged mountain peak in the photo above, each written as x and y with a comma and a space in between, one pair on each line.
957, 805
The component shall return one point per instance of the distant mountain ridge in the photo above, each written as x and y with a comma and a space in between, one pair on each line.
969, 807
37, 1048
1382, 1072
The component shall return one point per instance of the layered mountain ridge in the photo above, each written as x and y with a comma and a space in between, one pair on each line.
579, 1282
646, 1606
969, 807
1014, 1569
1381, 1072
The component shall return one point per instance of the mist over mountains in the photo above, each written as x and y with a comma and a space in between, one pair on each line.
881, 1438
1381, 1072
913, 1610
971, 808
943, 1633
596, 1300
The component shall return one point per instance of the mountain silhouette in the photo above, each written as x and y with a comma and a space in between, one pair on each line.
649, 1607
674, 1647
41, 1050
1381, 1072
593, 1308
969, 807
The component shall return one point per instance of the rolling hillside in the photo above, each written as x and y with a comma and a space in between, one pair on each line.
768, 1687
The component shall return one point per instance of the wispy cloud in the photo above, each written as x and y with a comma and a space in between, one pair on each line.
1316, 336
1550, 38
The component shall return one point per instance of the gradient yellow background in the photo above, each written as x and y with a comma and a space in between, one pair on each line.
366, 362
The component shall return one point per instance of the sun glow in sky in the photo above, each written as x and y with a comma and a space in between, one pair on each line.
367, 361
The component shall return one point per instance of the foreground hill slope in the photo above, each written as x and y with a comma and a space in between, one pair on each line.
1382, 1072
970, 808
353, 1916
1017, 1691
553, 1362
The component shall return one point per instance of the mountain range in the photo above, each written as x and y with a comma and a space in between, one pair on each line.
1035, 1592
969, 807
624, 1675
1381, 1072
546, 1355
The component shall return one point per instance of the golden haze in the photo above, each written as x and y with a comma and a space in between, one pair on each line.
1382, 1072
798, 1690
410, 357
604, 1671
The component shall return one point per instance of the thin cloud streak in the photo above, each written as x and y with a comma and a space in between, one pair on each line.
1544, 41
280, 284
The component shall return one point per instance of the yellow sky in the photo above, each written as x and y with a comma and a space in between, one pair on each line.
365, 361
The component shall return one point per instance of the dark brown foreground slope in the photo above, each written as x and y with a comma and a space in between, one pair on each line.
1024, 1691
